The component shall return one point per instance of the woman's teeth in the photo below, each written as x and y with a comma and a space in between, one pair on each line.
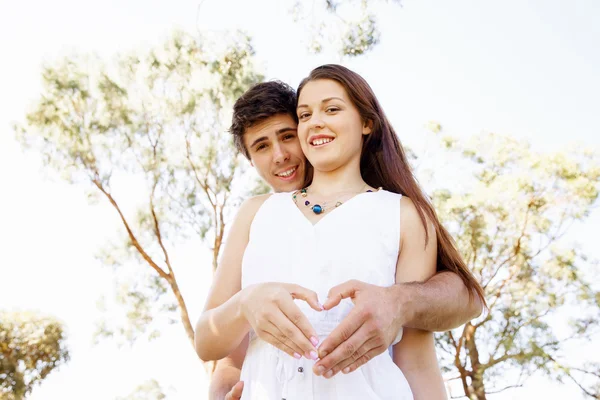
319, 142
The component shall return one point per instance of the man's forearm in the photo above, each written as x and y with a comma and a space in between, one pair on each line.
440, 304
227, 372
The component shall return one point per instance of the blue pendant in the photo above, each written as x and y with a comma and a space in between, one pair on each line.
317, 209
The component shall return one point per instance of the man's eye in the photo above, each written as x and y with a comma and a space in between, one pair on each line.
260, 147
289, 137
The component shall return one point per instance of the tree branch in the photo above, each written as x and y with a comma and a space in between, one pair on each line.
130, 233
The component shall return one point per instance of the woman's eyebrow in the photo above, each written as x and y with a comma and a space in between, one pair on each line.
323, 101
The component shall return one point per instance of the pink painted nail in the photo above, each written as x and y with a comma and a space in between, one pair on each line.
314, 355
346, 370
321, 306
298, 356
314, 341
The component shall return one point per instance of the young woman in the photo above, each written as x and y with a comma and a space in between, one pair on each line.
362, 217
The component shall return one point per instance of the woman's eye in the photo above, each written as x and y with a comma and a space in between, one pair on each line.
332, 109
303, 115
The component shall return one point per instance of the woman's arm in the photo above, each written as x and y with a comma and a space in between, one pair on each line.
415, 353
268, 308
222, 326
416, 357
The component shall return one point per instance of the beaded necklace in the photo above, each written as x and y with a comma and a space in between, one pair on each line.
319, 208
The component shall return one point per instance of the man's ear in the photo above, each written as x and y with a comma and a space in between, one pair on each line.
367, 127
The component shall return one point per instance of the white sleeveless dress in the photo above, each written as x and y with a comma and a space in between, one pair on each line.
358, 240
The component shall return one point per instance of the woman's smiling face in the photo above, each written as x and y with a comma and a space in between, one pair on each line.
330, 127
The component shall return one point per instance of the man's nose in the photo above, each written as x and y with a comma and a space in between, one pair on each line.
280, 154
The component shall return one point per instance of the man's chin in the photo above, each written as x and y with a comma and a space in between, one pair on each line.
281, 185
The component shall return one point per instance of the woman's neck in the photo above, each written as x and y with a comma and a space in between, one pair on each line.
344, 179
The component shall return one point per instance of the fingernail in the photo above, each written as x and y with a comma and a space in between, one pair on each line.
320, 370
307, 354
314, 355
321, 306
323, 353
329, 374
314, 341
346, 370
298, 356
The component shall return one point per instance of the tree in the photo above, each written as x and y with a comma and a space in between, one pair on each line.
510, 216
349, 26
157, 118
31, 347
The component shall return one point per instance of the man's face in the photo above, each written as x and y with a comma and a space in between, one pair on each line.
276, 153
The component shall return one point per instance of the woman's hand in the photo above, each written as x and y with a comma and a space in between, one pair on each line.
270, 310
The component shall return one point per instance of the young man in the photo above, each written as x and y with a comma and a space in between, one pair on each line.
264, 130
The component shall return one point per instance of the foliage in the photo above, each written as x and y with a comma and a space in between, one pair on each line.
510, 221
349, 26
31, 347
155, 121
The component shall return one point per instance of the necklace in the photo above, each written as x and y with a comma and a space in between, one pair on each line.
322, 207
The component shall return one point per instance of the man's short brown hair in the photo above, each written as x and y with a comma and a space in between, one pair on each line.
261, 101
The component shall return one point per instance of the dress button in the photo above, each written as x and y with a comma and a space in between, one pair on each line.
300, 369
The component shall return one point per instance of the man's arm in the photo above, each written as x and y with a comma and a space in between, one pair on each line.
439, 304
227, 373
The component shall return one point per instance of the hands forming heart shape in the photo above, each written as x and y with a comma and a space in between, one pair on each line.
367, 331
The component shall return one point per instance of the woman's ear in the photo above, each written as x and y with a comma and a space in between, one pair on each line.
367, 127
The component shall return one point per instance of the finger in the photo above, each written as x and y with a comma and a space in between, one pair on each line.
296, 330
309, 296
236, 392
297, 317
272, 339
362, 356
345, 290
349, 325
374, 352
342, 352
274, 330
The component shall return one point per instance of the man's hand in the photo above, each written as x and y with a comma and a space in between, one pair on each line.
367, 331
236, 392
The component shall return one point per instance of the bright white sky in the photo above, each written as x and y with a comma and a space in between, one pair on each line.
529, 69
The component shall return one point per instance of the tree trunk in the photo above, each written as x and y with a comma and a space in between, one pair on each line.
185, 318
476, 388
209, 366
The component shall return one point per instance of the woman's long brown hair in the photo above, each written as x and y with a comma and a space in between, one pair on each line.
384, 164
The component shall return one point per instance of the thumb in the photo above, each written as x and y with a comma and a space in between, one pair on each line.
236, 392
309, 296
346, 290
